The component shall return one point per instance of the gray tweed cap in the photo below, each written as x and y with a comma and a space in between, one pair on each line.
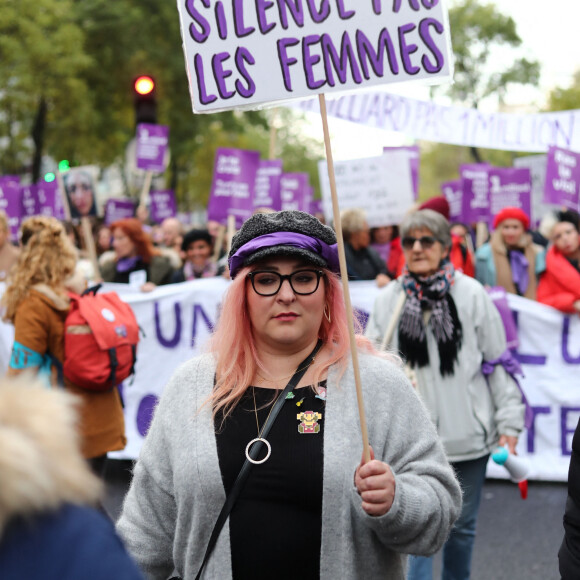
282, 221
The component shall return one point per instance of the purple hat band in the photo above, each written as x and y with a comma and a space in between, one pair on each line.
327, 252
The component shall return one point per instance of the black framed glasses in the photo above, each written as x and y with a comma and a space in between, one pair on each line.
302, 282
426, 242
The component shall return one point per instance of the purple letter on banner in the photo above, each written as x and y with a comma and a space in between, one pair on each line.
510, 187
562, 178
163, 205
232, 189
475, 206
267, 188
152, 143
295, 191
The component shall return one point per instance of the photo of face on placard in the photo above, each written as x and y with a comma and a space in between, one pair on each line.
79, 184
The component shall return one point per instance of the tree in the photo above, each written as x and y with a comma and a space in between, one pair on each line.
566, 99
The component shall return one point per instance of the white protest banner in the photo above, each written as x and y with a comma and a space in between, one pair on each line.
432, 121
382, 186
243, 54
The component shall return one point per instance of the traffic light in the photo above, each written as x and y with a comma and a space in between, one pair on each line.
145, 102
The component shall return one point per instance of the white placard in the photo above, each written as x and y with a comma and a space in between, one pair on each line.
382, 186
243, 53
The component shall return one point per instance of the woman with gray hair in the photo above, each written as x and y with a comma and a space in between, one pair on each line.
452, 337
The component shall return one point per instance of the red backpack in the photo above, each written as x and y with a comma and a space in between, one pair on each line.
100, 340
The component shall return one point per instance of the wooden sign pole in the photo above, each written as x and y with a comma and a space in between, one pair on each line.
344, 276
146, 187
231, 231
63, 196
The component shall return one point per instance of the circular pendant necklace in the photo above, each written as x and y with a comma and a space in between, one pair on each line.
259, 437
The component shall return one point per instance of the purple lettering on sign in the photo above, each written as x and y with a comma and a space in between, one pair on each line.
118, 209
295, 192
174, 341
163, 205
198, 311
570, 359
286, 61
526, 359
566, 431
407, 49
562, 178
152, 143
510, 187
267, 187
145, 413
532, 430
232, 191
475, 192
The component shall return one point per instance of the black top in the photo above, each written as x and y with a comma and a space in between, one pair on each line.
364, 264
275, 526
123, 277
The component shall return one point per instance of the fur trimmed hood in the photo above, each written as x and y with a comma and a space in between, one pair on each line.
41, 467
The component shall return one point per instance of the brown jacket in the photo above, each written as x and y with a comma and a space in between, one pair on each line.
39, 325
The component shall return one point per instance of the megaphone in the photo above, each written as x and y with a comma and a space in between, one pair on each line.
517, 467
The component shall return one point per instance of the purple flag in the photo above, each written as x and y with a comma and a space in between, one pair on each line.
232, 190
475, 194
562, 178
10, 202
152, 142
163, 205
295, 191
414, 160
267, 188
510, 187
118, 209
453, 192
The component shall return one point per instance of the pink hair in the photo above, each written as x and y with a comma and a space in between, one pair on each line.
234, 348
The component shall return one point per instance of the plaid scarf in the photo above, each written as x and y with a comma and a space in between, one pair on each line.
431, 293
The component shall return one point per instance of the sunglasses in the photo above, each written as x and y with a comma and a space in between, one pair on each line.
408, 242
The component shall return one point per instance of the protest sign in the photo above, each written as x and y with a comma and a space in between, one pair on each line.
118, 209
414, 161
453, 193
29, 200
163, 205
537, 165
316, 207
562, 178
79, 184
381, 186
242, 54
475, 192
152, 147
295, 191
510, 187
10, 203
431, 121
267, 187
232, 189
50, 201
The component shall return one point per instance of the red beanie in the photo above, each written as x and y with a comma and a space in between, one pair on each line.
438, 204
511, 213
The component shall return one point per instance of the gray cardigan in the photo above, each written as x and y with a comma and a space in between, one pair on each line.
177, 490
468, 411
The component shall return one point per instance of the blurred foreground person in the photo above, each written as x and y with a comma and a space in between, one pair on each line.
36, 302
510, 259
560, 284
49, 528
136, 261
446, 328
309, 508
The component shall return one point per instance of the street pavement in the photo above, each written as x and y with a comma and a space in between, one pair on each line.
516, 539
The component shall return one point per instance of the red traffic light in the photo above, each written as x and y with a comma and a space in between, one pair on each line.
144, 85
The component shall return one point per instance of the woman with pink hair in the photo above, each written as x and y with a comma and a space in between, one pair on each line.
263, 432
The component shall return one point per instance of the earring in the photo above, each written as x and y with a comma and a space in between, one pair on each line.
327, 313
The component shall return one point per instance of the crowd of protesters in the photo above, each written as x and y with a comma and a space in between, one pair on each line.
433, 283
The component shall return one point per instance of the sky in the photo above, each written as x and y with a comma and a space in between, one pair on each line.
548, 32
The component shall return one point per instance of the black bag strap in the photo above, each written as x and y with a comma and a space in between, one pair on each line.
254, 452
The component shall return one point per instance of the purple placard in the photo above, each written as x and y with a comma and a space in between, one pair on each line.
453, 192
316, 207
510, 187
295, 191
50, 200
163, 205
475, 192
562, 178
414, 160
267, 188
152, 142
118, 209
232, 189
10, 202
29, 200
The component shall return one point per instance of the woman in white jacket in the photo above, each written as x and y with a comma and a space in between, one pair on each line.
447, 328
